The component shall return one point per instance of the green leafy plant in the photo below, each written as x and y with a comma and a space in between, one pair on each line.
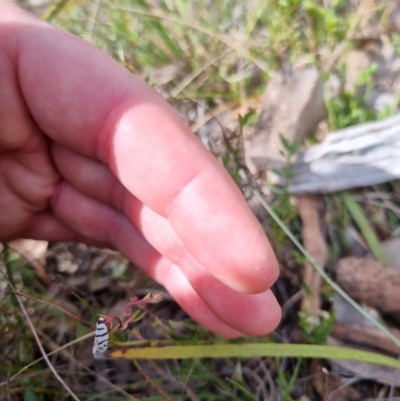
315, 329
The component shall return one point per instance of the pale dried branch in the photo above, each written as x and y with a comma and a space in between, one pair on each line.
42, 350
314, 242
358, 156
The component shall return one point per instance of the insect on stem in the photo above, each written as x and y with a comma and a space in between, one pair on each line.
100, 339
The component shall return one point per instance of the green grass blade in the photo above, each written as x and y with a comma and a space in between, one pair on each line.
367, 231
292, 381
322, 272
256, 350
57, 9
242, 389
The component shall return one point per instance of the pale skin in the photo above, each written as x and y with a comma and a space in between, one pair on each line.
90, 153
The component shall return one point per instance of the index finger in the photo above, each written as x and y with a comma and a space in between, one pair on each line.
87, 102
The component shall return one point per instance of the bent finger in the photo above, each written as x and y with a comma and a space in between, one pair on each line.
95, 180
86, 101
107, 226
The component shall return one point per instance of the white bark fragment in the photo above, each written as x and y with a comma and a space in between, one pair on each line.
363, 155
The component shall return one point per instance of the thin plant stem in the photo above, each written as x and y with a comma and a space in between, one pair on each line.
22, 370
323, 274
43, 352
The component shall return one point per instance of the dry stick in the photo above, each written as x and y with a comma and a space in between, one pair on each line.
268, 378
22, 370
210, 115
186, 388
43, 301
37, 264
92, 21
314, 242
149, 381
347, 384
169, 376
67, 355
292, 300
166, 375
42, 350
260, 382
189, 78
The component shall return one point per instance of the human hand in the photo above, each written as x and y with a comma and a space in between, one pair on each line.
90, 153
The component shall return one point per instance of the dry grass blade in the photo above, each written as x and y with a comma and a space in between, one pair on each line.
59, 349
242, 48
188, 79
50, 304
42, 350
69, 356
151, 383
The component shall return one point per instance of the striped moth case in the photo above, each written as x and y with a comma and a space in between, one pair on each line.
100, 339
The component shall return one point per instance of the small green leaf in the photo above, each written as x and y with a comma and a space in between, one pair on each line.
30, 396
244, 120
